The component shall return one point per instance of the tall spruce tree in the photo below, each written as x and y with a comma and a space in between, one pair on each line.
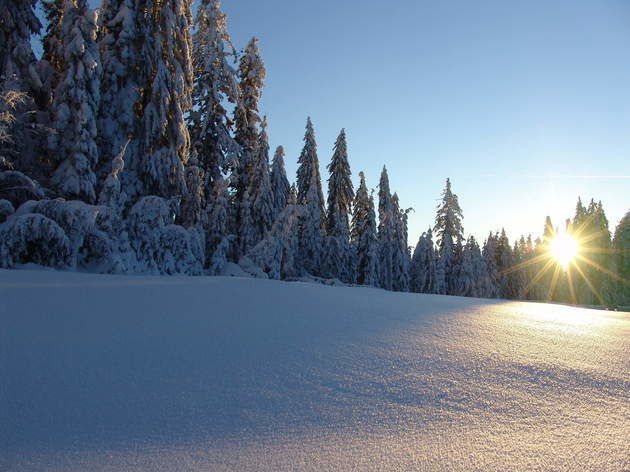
489, 253
280, 187
258, 217
472, 271
621, 255
364, 237
309, 194
122, 30
386, 224
20, 88
165, 96
422, 270
215, 83
17, 61
251, 76
400, 249
75, 105
449, 234
337, 260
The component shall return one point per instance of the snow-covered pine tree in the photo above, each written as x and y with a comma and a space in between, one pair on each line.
472, 271
193, 201
386, 230
309, 194
122, 30
621, 255
280, 187
258, 200
164, 140
364, 237
17, 61
337, 261
112, 194
400, 252
422, 270
449, 234
215, 83
490, 287
218, 241
20, 87
504, 262
251, 76
53, 39
75, 105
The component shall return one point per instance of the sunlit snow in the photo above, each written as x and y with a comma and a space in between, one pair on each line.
133, 373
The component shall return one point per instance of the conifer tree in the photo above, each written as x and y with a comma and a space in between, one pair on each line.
20, 88
449, 234
504, 262
400, 249
17, 61
422, 271
280, 187
53, 41
215, 83
309, 194
76, 104
386, 230
165, 96
218, 241
364, 237
122, 30
621, 254
251, 76
258, 217
491, 286
472, 272
337, 260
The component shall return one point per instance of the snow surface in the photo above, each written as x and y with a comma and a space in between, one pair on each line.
130, 373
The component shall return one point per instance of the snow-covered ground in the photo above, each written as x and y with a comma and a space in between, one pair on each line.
213, 374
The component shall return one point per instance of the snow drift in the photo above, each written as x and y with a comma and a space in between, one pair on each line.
142, 373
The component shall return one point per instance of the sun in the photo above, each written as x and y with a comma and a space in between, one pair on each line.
564, 248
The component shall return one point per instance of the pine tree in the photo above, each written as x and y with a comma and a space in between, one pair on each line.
504, 262
400, 252
53, 41
309, 194
337, 261
280, 187
218, 241
363, 236
122, 30
193, 200
491, 285
17, 61
251, 75
422, 271
76, 104
449, 234
385, 232
472, 273
621, 254
258, 217
20, 88
215, 83
165, 96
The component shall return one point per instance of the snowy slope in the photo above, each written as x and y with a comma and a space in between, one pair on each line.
213, 374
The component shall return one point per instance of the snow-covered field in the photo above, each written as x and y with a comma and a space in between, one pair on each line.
212, 374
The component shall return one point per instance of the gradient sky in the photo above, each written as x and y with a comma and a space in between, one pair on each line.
524, 105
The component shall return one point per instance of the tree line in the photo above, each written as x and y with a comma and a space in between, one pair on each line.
135, 144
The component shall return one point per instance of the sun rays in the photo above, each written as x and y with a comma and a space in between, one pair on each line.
569, 265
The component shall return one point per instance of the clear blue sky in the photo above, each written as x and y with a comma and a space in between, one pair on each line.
524, 105
516, 101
